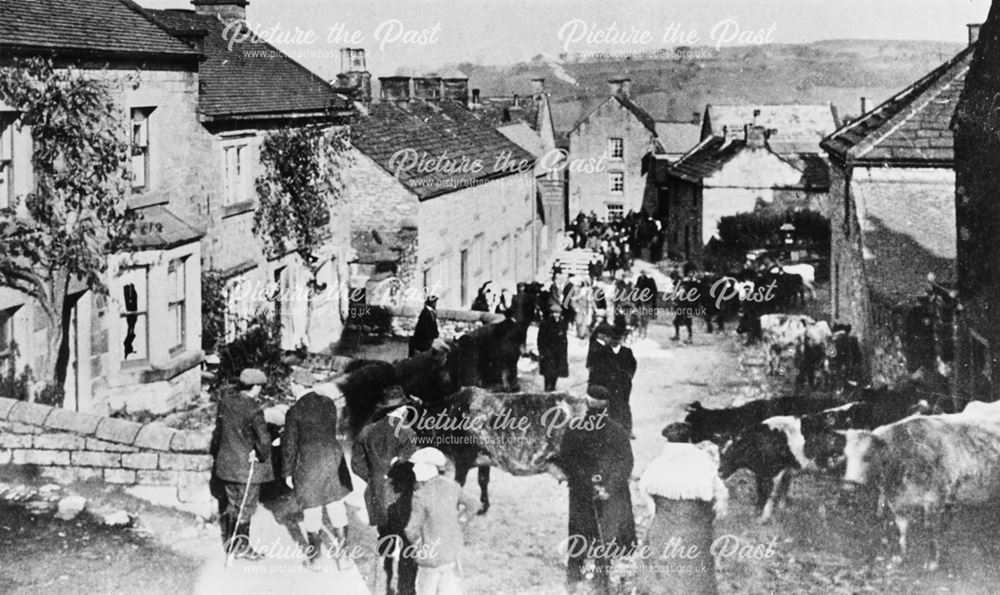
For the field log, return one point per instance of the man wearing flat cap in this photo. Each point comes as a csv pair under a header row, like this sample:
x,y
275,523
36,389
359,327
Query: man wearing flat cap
x,y
426,329
241,446
313,464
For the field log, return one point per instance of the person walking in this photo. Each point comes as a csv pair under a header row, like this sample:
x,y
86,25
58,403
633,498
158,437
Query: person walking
x,y
647,292
377,447
613,366
314,467
553,346
434,527
426,329
241,447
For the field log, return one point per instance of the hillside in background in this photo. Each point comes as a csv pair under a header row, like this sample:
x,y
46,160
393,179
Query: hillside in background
x,y
674,87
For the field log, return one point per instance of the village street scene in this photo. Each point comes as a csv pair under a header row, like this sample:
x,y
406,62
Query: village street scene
x,y
439,297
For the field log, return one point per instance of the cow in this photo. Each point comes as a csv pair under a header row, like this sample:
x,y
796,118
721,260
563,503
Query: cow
x,y
782,333
806,273
721,425
719,299
779,447
488,355
923,465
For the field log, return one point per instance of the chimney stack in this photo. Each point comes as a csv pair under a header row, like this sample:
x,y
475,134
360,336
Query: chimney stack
x,y
756,136
864,105
427,88
620,86
455,87
227,10
517,100
974,32
696,117
354,74
395,88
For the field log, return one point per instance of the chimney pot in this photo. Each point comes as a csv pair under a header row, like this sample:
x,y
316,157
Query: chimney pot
x,y
974,32
696,117
864,105
227,10
620,86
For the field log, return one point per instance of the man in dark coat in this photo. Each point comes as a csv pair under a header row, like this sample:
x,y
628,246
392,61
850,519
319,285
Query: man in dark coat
x,y
598,464
648,299
381,443
561,292
313,464
427,327
613,366
241,446
553,346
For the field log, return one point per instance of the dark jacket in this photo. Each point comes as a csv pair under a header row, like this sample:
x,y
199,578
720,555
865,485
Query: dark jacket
x,y
646,289
553,347
372,454
240,429
434,526
425,332
614,371
311,453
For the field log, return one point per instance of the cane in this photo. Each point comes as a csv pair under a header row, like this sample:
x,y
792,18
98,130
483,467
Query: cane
x,y
246,489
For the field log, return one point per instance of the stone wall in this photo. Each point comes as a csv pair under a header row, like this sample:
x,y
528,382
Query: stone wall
x,y
151,461
451,323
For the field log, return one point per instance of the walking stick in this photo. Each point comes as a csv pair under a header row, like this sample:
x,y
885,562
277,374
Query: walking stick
x,y
246,489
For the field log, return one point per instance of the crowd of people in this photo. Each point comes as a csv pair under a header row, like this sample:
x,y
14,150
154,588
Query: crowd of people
x,y
618,241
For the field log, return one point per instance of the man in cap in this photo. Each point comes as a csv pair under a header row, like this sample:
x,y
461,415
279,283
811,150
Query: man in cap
x,y
426,329
241,446
613,367
434,527
377,447
313,463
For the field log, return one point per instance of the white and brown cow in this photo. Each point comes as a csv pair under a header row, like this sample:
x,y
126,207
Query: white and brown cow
x,y
922,465
782,333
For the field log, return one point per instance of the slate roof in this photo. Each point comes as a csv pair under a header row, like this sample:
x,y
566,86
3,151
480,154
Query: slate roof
x,y
912,127
799,127
642,115
160,229
430,130
92,27
678,138
525,137
712,154
908,231
242,82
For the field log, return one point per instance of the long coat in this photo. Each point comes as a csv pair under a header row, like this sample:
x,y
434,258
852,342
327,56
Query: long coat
x,y
424,332
240,429
553,347
600,456
311,453
614,371
372,454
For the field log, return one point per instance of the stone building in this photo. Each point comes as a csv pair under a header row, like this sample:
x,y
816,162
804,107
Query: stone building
x,y
427,170
723,176
196,112
607,150
892,217
977,181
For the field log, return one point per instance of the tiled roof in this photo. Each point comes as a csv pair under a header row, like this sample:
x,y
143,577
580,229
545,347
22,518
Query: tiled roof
x,y
908,230
912,126
712,154
86,26
525,137
161,229
251,79
678,138
428,130
642,115
798,128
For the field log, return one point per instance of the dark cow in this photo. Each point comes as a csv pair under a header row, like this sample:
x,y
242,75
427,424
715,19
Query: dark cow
x,y
718,299
721,425
487,356
924,465
778,447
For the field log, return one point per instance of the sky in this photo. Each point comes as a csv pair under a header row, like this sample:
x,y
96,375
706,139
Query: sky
x,y
426,34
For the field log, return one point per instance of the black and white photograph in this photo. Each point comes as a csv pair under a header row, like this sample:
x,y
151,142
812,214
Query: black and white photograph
x,y
522,297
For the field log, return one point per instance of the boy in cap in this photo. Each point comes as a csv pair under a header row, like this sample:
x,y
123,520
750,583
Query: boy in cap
x,y
241,446
434,526
313,464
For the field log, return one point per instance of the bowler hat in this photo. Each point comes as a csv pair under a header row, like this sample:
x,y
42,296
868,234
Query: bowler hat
x,y
603,329
252,376
392,397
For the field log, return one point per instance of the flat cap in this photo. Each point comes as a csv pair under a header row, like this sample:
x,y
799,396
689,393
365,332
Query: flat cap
x,y
252,376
